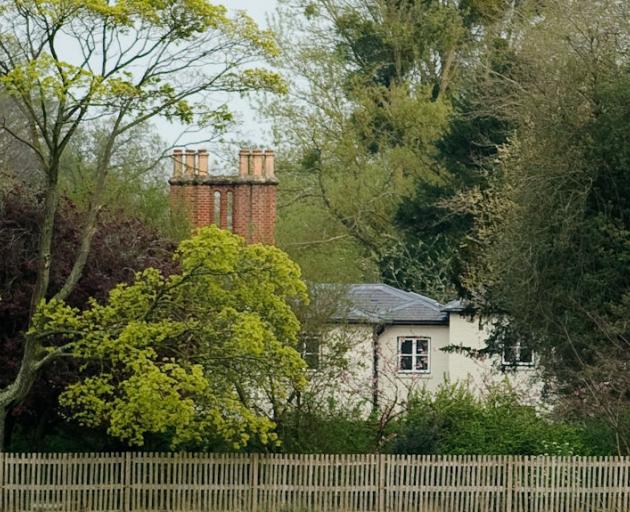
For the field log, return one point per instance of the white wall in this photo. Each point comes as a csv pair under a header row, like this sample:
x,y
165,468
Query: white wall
x,y
354,385
395,385
349,380
465,331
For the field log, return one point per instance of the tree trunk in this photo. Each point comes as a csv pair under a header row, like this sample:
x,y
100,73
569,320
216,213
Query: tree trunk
x,y
44,257
20,387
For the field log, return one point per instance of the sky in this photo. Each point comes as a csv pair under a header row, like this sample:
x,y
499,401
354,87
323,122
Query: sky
x,y
250,127
256,8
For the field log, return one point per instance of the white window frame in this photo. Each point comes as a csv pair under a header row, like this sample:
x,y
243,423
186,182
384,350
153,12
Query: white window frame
x,y
414,355
517,363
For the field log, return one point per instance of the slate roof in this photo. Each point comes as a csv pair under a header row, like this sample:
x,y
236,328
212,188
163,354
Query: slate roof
x,y
381,303
455,306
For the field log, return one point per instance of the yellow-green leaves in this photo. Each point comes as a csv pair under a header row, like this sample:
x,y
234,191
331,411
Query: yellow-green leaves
x,y
68,61
194,355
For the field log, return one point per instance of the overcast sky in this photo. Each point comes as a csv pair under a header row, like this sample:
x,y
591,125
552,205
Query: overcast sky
x,y
256,8
251,128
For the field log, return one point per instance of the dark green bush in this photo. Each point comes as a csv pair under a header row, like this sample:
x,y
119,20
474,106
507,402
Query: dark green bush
x,y
455,421
331,429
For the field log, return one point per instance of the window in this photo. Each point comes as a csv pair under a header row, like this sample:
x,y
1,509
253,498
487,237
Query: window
x,y
217,208
517,353
230,211
310,348
413,355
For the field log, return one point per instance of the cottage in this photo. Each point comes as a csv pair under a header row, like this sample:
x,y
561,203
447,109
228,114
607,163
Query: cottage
x,y
395,341
399,342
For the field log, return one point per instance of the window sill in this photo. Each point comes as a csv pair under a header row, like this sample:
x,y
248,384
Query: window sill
x,y
414,373
521,367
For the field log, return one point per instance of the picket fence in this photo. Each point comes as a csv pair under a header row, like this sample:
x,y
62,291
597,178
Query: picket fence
x,y
343,483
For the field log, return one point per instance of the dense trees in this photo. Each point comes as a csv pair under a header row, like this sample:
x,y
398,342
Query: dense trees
x,y
473,148
476,149
122,246
65,64
553,227
378,100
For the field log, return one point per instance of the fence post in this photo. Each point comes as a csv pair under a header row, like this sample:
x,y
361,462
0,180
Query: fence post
x,y
253,481
127,482
509,466
380,494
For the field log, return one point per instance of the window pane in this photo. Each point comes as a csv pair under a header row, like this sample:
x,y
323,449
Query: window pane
x,y
230,211
311,344
526,355
422,346
217,208
422,362
509,353
310,349
312,360
406,347
406,362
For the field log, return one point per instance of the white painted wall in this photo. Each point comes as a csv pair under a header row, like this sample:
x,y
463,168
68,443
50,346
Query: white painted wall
x,y
481,373
354,385
349,384
395,385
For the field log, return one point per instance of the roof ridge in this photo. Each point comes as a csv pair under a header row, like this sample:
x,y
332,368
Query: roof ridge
x,y
432,302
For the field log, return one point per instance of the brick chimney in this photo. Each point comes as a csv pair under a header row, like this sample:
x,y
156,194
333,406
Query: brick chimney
x,y
244,204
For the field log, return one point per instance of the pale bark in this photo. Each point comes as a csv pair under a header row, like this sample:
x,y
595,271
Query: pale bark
x,y
44,257
21,385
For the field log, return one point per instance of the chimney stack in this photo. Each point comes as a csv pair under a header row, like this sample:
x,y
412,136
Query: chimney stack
x,y
244,203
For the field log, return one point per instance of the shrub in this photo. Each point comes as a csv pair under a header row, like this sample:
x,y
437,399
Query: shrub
x,y
455,421
329,429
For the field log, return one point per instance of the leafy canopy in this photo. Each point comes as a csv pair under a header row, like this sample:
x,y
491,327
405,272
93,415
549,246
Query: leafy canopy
x,y
193,354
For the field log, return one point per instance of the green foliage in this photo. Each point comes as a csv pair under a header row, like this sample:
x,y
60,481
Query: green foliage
x,y
552,228
313,237
330,429
64,64
454,421
373,88
113,84
193,354
136,184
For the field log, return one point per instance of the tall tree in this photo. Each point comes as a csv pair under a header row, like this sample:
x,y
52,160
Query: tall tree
x,y
204,352
66,63
122,245
373,83
435,233
554,227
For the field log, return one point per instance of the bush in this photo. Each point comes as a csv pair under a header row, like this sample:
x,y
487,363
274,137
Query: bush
x,y
329,430
454,421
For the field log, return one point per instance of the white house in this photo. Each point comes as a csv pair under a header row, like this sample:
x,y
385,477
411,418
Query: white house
x,y
395,341
399,341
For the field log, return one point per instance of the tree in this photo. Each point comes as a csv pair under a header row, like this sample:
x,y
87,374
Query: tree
x,y
64,64
372,91
553,229
122,246
205,351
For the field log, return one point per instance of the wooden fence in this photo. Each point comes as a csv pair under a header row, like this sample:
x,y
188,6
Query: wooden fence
x,y
379,483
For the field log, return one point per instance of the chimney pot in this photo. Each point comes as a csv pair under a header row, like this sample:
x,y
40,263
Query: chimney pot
x,y
269,163
243,165
257,164
177,163
202,162
190,169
